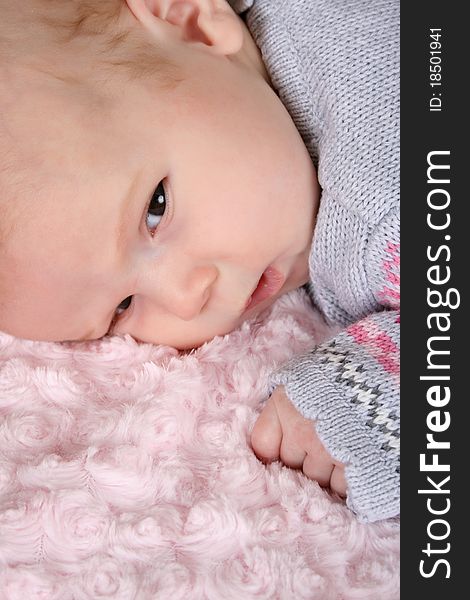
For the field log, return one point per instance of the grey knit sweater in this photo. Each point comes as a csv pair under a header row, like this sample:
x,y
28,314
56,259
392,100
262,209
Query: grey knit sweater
x,y
335,66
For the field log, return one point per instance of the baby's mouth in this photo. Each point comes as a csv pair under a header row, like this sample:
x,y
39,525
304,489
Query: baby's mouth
x,y
270,282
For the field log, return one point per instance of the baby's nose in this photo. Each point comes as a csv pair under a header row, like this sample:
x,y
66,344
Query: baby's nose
x,y
186,294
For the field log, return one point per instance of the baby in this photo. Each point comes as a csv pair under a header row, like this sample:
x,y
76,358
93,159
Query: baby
x,y
158,178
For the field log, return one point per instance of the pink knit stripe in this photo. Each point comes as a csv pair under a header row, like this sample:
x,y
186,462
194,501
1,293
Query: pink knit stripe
x,y
389,297
394,259
394,278
379,344
392,248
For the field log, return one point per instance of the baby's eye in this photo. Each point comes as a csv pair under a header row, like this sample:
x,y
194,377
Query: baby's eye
x,y
123,306
156,208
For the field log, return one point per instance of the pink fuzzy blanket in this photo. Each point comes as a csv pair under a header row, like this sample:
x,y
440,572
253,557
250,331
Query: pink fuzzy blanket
x,y
126,473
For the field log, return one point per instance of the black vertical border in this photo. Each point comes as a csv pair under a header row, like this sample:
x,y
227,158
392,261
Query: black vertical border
x,y
424,131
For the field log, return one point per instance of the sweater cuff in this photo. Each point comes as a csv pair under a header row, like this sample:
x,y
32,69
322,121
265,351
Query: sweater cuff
x,y
343,421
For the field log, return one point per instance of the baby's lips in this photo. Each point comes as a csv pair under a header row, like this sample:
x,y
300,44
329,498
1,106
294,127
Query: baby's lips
x,y
271,281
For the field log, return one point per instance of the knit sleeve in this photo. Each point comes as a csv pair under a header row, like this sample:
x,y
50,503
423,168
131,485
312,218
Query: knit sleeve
x,y
349,386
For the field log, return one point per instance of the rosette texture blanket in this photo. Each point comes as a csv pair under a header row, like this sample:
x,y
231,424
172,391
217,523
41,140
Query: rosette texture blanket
x,y
126,473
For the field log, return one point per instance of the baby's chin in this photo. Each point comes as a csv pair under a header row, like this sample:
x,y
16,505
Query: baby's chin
x,y
258,313
186,340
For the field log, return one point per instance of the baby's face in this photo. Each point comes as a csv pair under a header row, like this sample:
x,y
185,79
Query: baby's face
x,y
158,214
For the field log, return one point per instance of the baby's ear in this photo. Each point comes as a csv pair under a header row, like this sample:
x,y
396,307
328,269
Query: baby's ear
x,y
212,22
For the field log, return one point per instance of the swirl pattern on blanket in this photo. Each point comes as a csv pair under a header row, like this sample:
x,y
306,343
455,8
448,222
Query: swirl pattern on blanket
x,y
126,472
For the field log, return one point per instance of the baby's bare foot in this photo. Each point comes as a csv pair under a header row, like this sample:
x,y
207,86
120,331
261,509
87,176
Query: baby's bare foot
x,y
281,432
